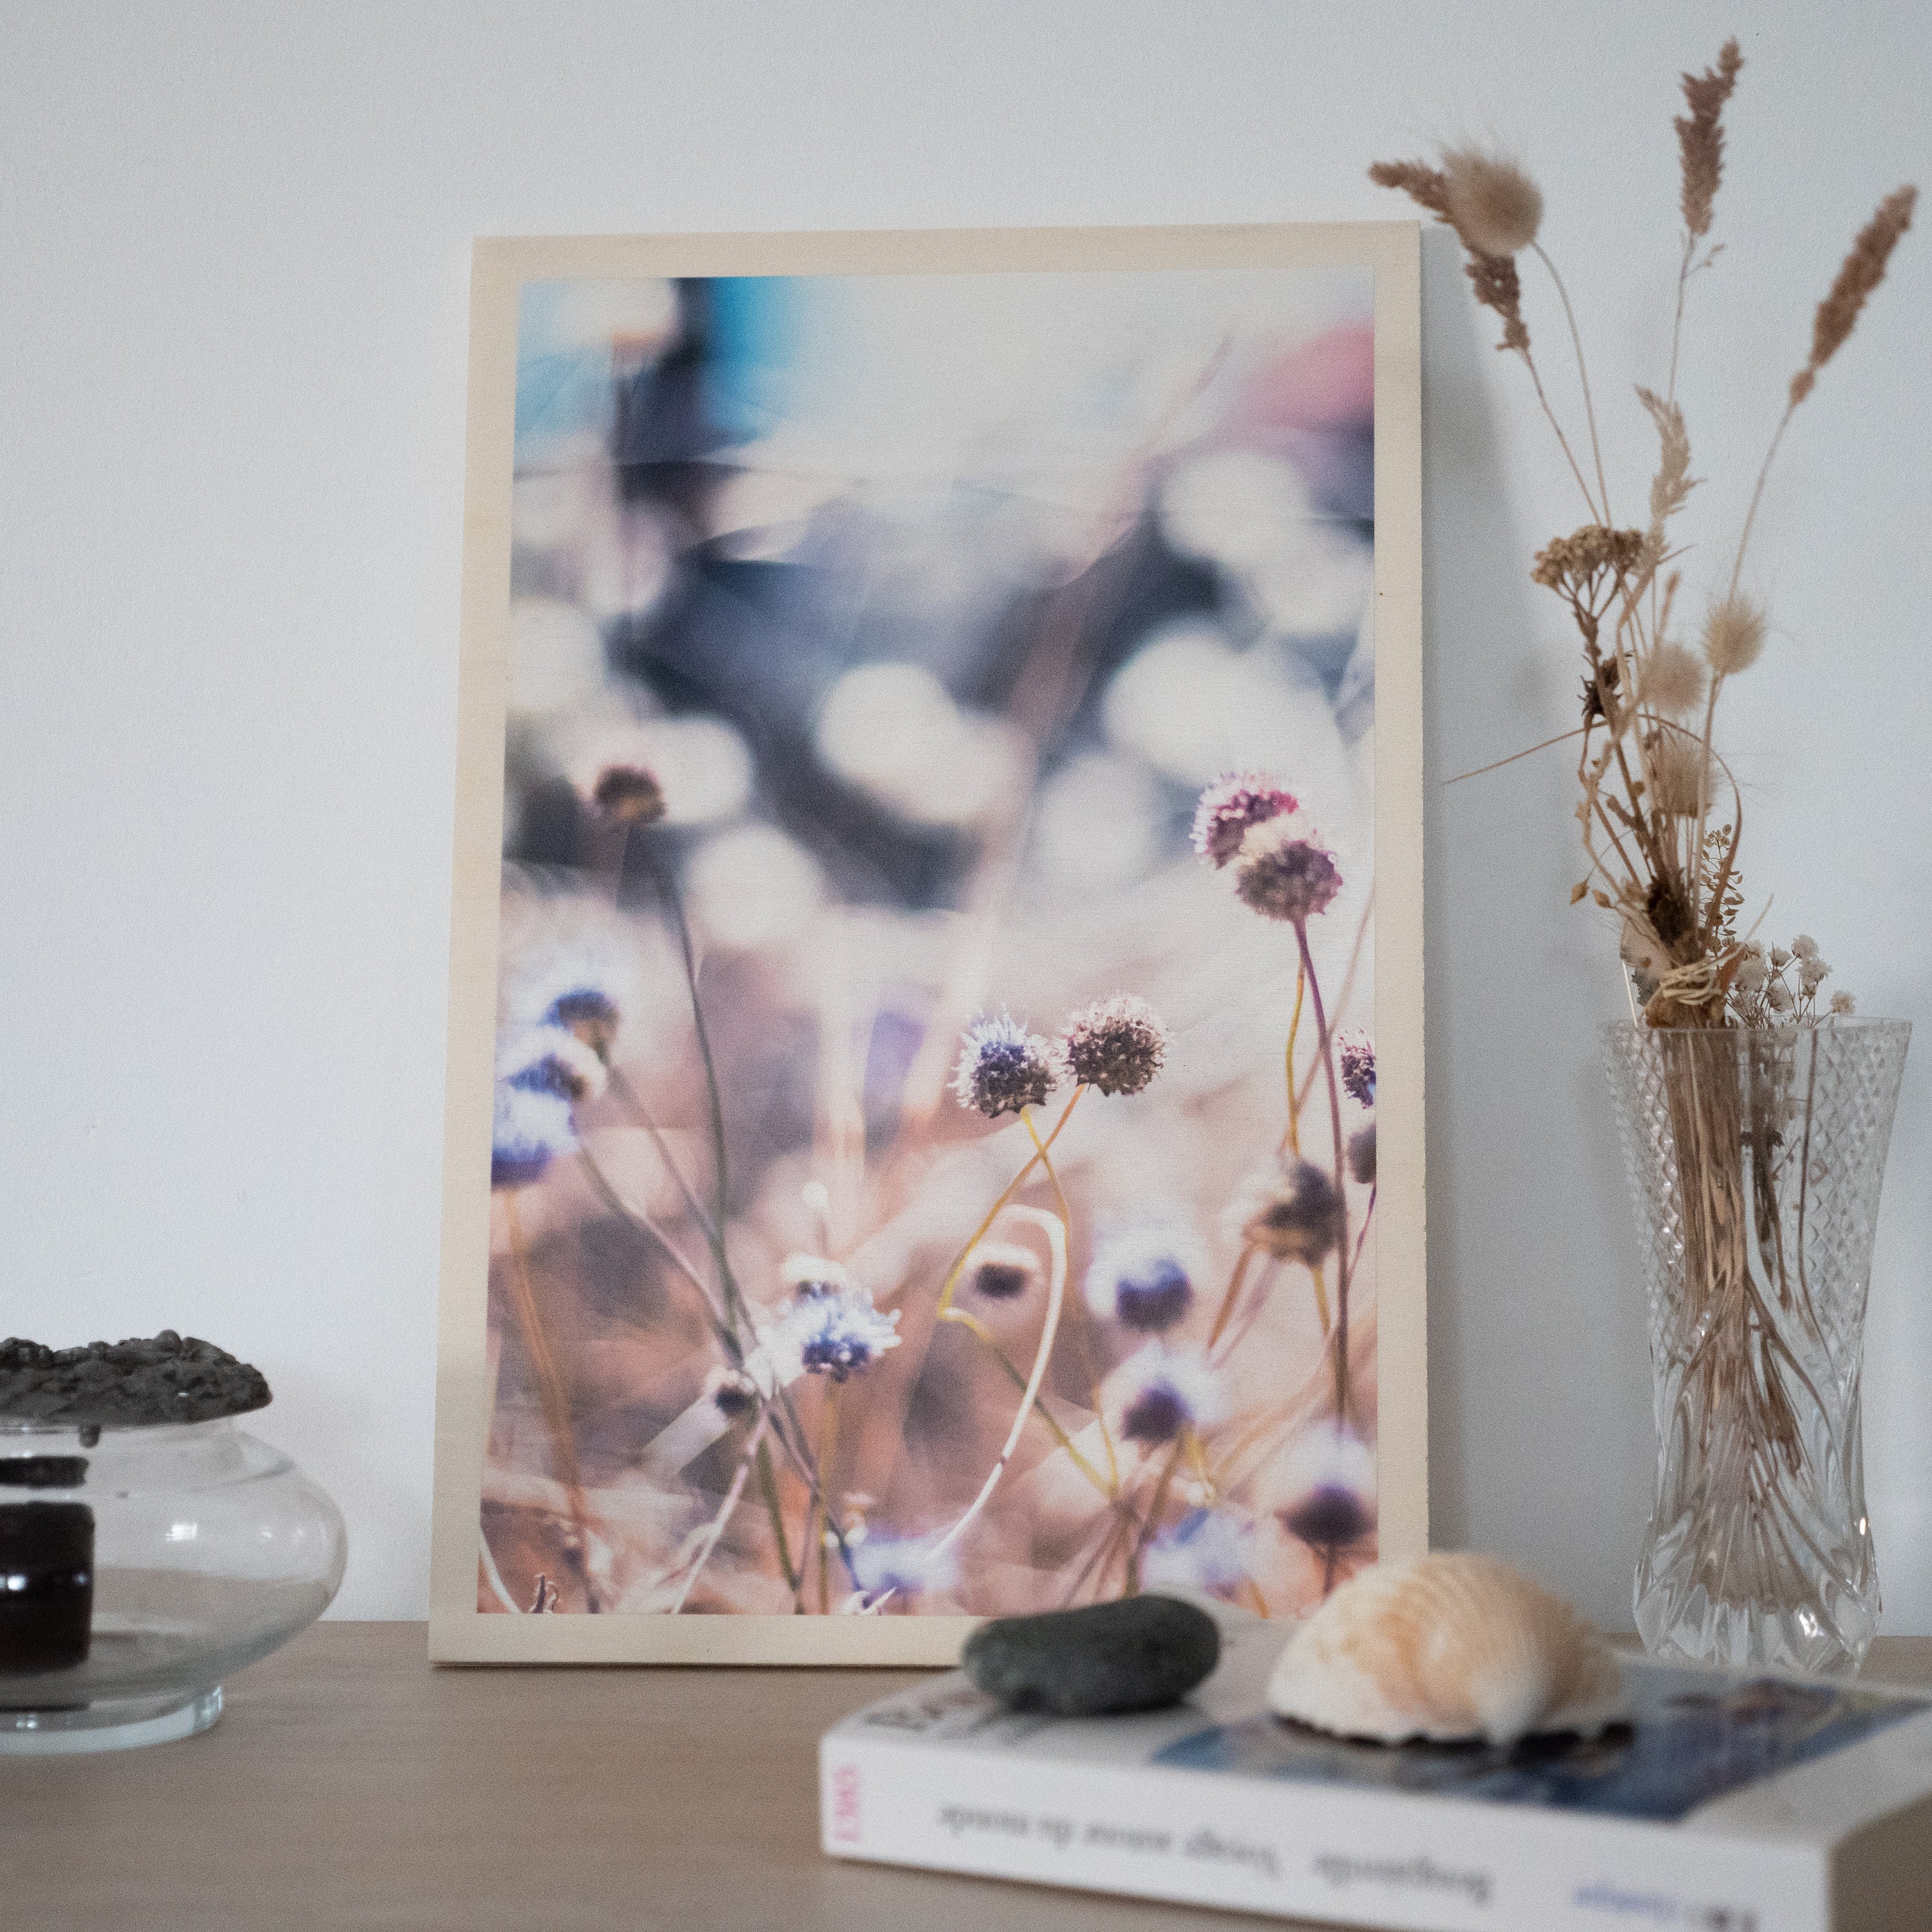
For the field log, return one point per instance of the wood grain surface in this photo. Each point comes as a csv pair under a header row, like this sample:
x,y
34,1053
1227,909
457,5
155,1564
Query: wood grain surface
x,y
352,1785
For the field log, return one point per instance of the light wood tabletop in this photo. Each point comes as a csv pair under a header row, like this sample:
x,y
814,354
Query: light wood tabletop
x,y
350,1784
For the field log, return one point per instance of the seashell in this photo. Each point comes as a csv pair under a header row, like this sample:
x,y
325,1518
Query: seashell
x,y
1449,1646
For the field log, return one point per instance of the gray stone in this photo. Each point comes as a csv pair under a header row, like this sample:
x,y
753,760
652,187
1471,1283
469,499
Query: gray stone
x,y
1132,1655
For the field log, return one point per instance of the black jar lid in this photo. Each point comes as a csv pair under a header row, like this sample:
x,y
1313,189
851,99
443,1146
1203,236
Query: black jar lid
x,y
132,1384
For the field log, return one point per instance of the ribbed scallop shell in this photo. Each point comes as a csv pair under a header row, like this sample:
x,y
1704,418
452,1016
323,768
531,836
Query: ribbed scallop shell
x,y
1446,1646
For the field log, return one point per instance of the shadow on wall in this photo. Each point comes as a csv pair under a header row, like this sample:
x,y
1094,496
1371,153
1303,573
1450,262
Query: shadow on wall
x,y
1537,1355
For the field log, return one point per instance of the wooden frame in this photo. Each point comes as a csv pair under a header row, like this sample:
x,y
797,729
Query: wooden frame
x,y
460,1630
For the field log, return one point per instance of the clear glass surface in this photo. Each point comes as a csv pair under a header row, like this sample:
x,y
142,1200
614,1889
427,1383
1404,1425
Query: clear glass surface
x,y
209,1549
1755,1160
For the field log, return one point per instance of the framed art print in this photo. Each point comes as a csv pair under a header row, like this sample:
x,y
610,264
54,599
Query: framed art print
x,y
935,1088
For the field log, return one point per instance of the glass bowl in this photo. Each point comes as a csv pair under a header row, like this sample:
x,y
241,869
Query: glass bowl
x,y
138,1567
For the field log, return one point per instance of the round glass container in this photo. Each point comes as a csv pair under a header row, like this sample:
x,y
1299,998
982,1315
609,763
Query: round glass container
x,y
138,1567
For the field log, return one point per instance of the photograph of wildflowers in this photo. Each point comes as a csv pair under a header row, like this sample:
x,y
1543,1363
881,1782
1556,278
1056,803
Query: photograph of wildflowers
x,y
933,1108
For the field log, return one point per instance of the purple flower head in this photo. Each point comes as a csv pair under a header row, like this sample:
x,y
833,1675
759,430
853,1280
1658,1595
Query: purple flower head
x,y
830,1330
1003,1270
530,1129
1329,1489
1230,807
1205,1550
540,1077
1116,1045
1284,871
1003,1068
627,795
1143,1276
903,1564
1291,1210
1357,1056
1164,1390
734,1391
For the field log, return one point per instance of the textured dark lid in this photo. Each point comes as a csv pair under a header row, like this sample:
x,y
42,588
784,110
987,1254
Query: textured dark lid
x,y
129,1385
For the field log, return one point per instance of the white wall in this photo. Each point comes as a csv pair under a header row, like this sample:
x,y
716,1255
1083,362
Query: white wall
x,y
233,260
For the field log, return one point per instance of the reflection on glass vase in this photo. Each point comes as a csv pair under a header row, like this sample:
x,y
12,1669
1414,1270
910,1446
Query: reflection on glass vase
x,y
1756,1158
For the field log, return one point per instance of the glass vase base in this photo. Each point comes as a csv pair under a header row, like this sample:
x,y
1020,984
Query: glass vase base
x,y
1691,1629
120,1724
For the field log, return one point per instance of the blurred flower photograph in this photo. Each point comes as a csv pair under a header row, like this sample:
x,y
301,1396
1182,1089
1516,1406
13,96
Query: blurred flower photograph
x,y
933,1148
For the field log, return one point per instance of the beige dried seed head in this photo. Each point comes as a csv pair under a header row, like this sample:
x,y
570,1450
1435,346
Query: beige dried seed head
x,y
1492,203
1672,680
1734,635
1680,774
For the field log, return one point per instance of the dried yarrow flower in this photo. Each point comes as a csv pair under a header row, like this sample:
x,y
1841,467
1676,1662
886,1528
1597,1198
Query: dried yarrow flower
x,y
1284,871
1734,635
1843,1005
1586,562
628,795
1862,271
1229,807
1490,202
1700,136
1003,1068
1116,1045
1356,1056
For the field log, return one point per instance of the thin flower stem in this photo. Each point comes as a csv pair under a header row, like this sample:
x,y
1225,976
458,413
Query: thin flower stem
x,y
1529,363
1583,375
1561,737
1677,327
828,1444
1362,1239
768,1485
1341,1172
1290,1139
1151,1521
950,1285
978,1329
1056,1236
1228,1301
555,1403
1348,986
1066,1222
724,1516
667,886
636,1217
1757,495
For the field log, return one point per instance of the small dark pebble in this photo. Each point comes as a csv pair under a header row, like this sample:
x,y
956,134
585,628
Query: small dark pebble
x,y
129,1385
1135,1654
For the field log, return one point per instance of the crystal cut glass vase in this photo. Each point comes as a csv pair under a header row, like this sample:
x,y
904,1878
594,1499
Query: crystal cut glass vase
x,y
1755,1159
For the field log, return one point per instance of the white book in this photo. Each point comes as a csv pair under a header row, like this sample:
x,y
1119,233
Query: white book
x,y
1724,1804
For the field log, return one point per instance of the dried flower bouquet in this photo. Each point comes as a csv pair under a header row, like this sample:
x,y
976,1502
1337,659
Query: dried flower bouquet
x,y
1732,1089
